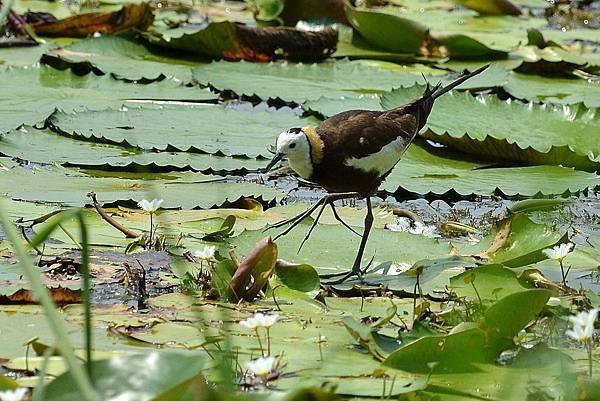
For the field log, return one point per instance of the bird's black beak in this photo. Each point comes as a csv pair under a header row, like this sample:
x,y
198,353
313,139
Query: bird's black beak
x,y
276,158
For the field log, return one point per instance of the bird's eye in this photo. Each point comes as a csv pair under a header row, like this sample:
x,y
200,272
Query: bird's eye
x,y
292,145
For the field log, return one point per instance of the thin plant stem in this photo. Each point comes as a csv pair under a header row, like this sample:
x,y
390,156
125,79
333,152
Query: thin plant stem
x,y
262,350
86,286
54,321
477,293
320,348
589,346
151,229
71,236
268,341
562,272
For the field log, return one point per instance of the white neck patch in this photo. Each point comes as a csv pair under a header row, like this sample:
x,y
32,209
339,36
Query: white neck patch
x,y
295,145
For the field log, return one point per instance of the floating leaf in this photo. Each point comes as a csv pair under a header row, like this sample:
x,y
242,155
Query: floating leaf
x,y
534,134
29,95
32,145
122,57
426,170
554,90
167,370
389,32
199,128
301,82
491,7
69,187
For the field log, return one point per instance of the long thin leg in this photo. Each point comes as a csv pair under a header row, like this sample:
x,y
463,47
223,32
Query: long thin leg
x,y
356,270
312,226
294,221
338,218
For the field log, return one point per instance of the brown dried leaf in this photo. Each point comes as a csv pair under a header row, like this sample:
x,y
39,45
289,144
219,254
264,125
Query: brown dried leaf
x,y
82,25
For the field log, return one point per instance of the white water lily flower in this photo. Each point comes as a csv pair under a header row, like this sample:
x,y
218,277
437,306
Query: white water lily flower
x,y
17,394
559,251
261,367
150,206
207,253
260,320
583,325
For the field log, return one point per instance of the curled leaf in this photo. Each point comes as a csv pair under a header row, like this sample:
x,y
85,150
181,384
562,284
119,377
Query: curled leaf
x,y
254,270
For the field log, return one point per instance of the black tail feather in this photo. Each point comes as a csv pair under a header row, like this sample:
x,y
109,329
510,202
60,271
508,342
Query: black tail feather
x,y
426,101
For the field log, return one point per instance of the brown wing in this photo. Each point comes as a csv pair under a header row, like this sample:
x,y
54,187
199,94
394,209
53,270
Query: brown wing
x,y
361,133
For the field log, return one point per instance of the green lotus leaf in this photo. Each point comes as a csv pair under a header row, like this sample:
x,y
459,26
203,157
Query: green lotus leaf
x,y
210,129
122,57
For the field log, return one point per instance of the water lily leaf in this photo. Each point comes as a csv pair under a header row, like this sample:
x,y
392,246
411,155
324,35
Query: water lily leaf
x,y
199,128
130,16
491,7
504,319
442,353
389,32
426,170
32,144
301,82
554,90
69,187
538,371
41,90
300,277
122,57
124,377
519,242
24,56
534,134
490,283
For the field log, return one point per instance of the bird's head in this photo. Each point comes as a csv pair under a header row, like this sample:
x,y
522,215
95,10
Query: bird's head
x,y
294,144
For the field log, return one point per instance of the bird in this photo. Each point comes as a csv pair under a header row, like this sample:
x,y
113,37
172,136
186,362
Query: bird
x,y
351,153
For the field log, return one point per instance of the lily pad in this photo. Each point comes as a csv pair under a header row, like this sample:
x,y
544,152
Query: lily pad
x,y
47,147
554,90
122,57
199,128
427,170
534,134
69,187
300,82
167,371
29,95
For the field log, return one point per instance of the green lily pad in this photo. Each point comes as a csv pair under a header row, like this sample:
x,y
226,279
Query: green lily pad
x,y
389,32
122,57
200,128
29,95
23,56
32,145
489,283
300,82
554,90
534,134
425,170
69,187
126,377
